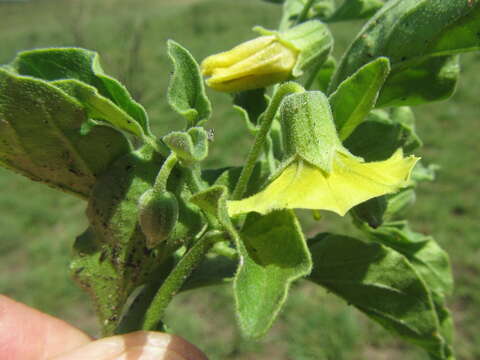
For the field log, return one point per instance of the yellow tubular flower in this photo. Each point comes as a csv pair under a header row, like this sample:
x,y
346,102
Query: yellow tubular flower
x,y
301,185
268,59
319,172
254,64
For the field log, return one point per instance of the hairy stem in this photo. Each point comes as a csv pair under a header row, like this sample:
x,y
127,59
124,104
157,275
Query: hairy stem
x,y
164,173
303,15
266,122
174,281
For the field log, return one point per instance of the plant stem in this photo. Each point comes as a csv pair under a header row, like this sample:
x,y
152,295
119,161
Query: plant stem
x,y
164,173
176,278
266,122
303,15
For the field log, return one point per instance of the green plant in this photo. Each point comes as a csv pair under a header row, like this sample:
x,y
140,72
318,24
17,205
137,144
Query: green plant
x,y
69,125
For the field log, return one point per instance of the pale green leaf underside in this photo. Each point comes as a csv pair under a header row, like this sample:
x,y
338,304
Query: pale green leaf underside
x,y
41,136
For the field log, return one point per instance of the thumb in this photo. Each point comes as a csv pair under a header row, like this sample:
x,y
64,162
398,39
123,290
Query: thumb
x,y
140,345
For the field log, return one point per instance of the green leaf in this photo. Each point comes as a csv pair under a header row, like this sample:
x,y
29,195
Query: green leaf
x,y
214,201
186,93
411,33
99,107
429,260
321,9
423,252
273,253
381,283
251,104
381,134
432,80
355,10
324,74
93,270
356,96
41,136
83,65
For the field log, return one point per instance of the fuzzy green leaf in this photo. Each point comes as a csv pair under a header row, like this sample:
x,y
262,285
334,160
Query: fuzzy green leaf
x,y
99,107
431,262
251,104
42,136
93,269
273,253
382,133
83,65
422,251
355,10
432,80
186,93
381,283
357,95
411,33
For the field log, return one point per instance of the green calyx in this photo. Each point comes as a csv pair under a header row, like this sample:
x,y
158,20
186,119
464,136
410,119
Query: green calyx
x,y
312,40
309,130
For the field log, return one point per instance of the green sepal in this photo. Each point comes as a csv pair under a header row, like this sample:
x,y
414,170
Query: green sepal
x,y
190,146
381,283
158,215
309,130
406,32
273,253
382,133
42,136
186,92
312,40
356,10
356,96
79,64
99,107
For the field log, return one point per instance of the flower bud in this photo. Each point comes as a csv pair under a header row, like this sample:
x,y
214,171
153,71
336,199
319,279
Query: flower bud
x,y
158,214
268,59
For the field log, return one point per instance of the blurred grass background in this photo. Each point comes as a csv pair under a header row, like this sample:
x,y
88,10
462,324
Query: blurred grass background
x,y
38,224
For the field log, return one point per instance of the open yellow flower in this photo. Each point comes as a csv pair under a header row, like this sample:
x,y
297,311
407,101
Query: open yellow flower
x,y
301,185
319,173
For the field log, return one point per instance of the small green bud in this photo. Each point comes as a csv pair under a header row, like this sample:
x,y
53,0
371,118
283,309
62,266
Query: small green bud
x,y
189,147
158,214
268,59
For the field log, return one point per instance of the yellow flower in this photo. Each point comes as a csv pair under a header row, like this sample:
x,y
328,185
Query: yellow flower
x,y
254,64
350,182
269,59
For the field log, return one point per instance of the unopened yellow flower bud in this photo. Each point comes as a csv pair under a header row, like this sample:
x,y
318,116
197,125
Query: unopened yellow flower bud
x,y
254,64
268,59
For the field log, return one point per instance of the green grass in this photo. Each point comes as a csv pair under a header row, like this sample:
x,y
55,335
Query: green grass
x,y
39,225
